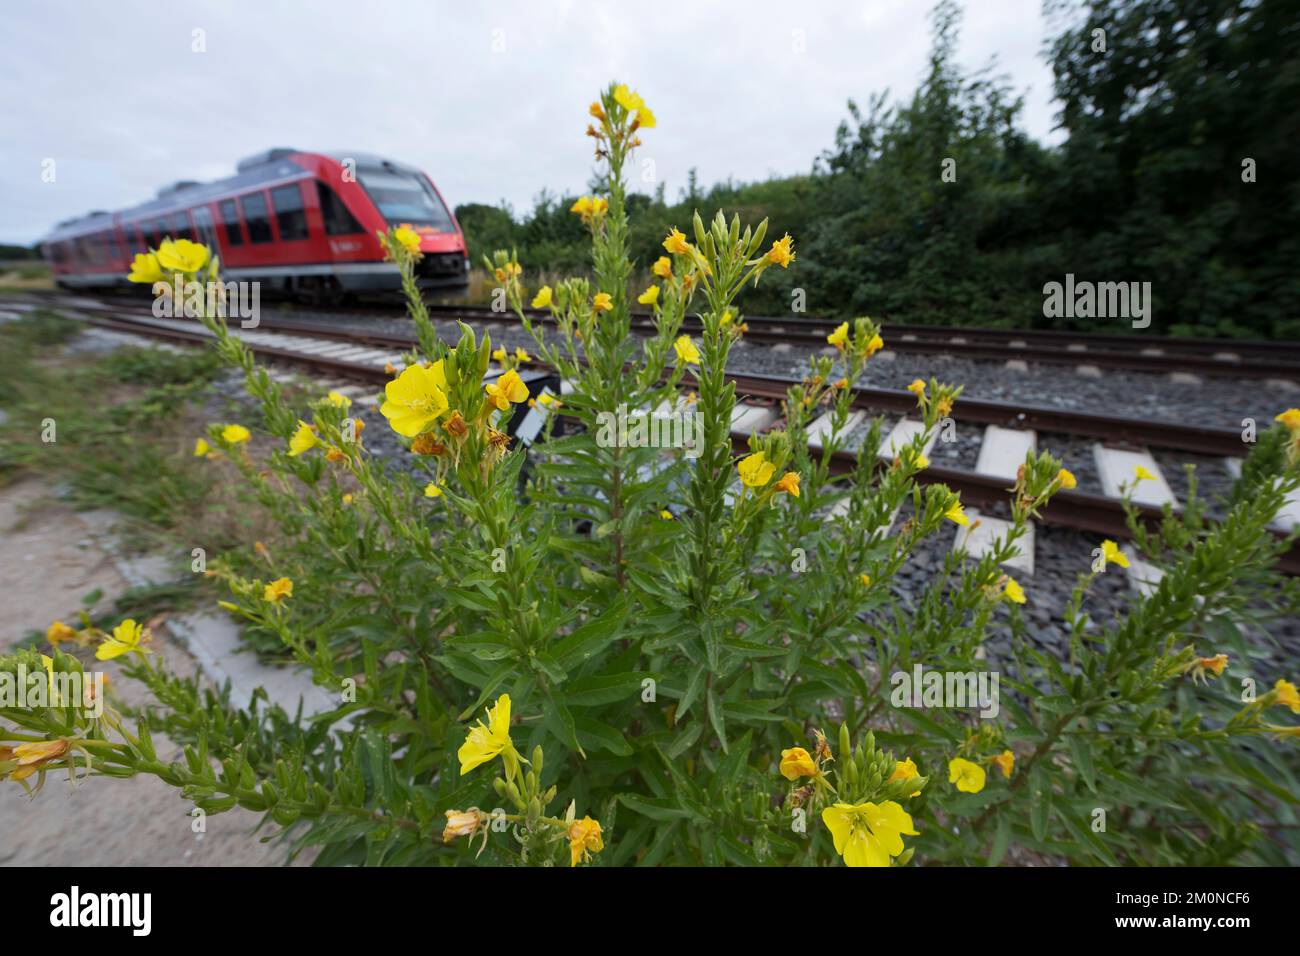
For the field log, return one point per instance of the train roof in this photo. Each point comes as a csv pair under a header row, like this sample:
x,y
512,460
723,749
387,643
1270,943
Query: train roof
x,y
267,166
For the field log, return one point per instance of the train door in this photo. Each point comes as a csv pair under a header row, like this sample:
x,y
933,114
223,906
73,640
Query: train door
x,y
206,230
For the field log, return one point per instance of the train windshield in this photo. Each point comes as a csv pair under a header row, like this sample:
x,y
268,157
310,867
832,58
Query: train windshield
x,y
405,198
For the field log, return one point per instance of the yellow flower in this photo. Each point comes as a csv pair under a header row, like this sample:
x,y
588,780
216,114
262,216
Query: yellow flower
x,y
630,100
432,491
1005,761
905,769
1112,554
460,823
506,389
483,742
601,302
663,267
921,462
840,336
782,252
347,499
666,515
645,118
865,579
304,439
789,483
1290,418
1013,591
582,206
686,350
875,345
543,297
676,243
1066,479
1287,696
957,514
521,355
58,632
650,296
499,356
235,434
339,400
278,590
415,399
545,399
797,762
755,470
917,387
868,834
127,636
1143,474
201,448
182,255
145,268
584,839
968,776
408,237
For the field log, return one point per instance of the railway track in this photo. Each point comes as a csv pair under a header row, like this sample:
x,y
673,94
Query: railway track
x,y
1009,430
1241,359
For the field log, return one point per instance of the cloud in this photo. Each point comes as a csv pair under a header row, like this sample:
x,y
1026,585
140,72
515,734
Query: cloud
x,y
489,98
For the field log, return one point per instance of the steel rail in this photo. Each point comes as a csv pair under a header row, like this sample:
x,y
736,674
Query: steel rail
x,y
1076,510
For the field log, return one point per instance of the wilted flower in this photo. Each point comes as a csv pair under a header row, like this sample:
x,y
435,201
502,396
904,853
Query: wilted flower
x,y
1005,761
508,388
797,762
584,839
789,483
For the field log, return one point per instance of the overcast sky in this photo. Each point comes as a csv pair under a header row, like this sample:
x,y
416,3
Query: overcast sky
x,y
489,98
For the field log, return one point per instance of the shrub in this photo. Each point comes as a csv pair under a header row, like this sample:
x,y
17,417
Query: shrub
x,y
592,650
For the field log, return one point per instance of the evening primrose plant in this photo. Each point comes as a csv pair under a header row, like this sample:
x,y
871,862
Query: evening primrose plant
x,y
590,651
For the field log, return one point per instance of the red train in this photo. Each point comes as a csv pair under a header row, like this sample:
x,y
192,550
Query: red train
x,y
300,223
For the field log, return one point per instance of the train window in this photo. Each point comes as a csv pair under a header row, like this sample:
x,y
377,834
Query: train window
x,y
405,198
289,212
255,218
159,231
180,226
339,220
230,219
110,246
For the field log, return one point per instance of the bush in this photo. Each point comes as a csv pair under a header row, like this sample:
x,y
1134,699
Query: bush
x,y
595,650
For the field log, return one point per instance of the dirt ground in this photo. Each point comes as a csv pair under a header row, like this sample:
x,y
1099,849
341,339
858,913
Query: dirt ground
x,y
50,559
